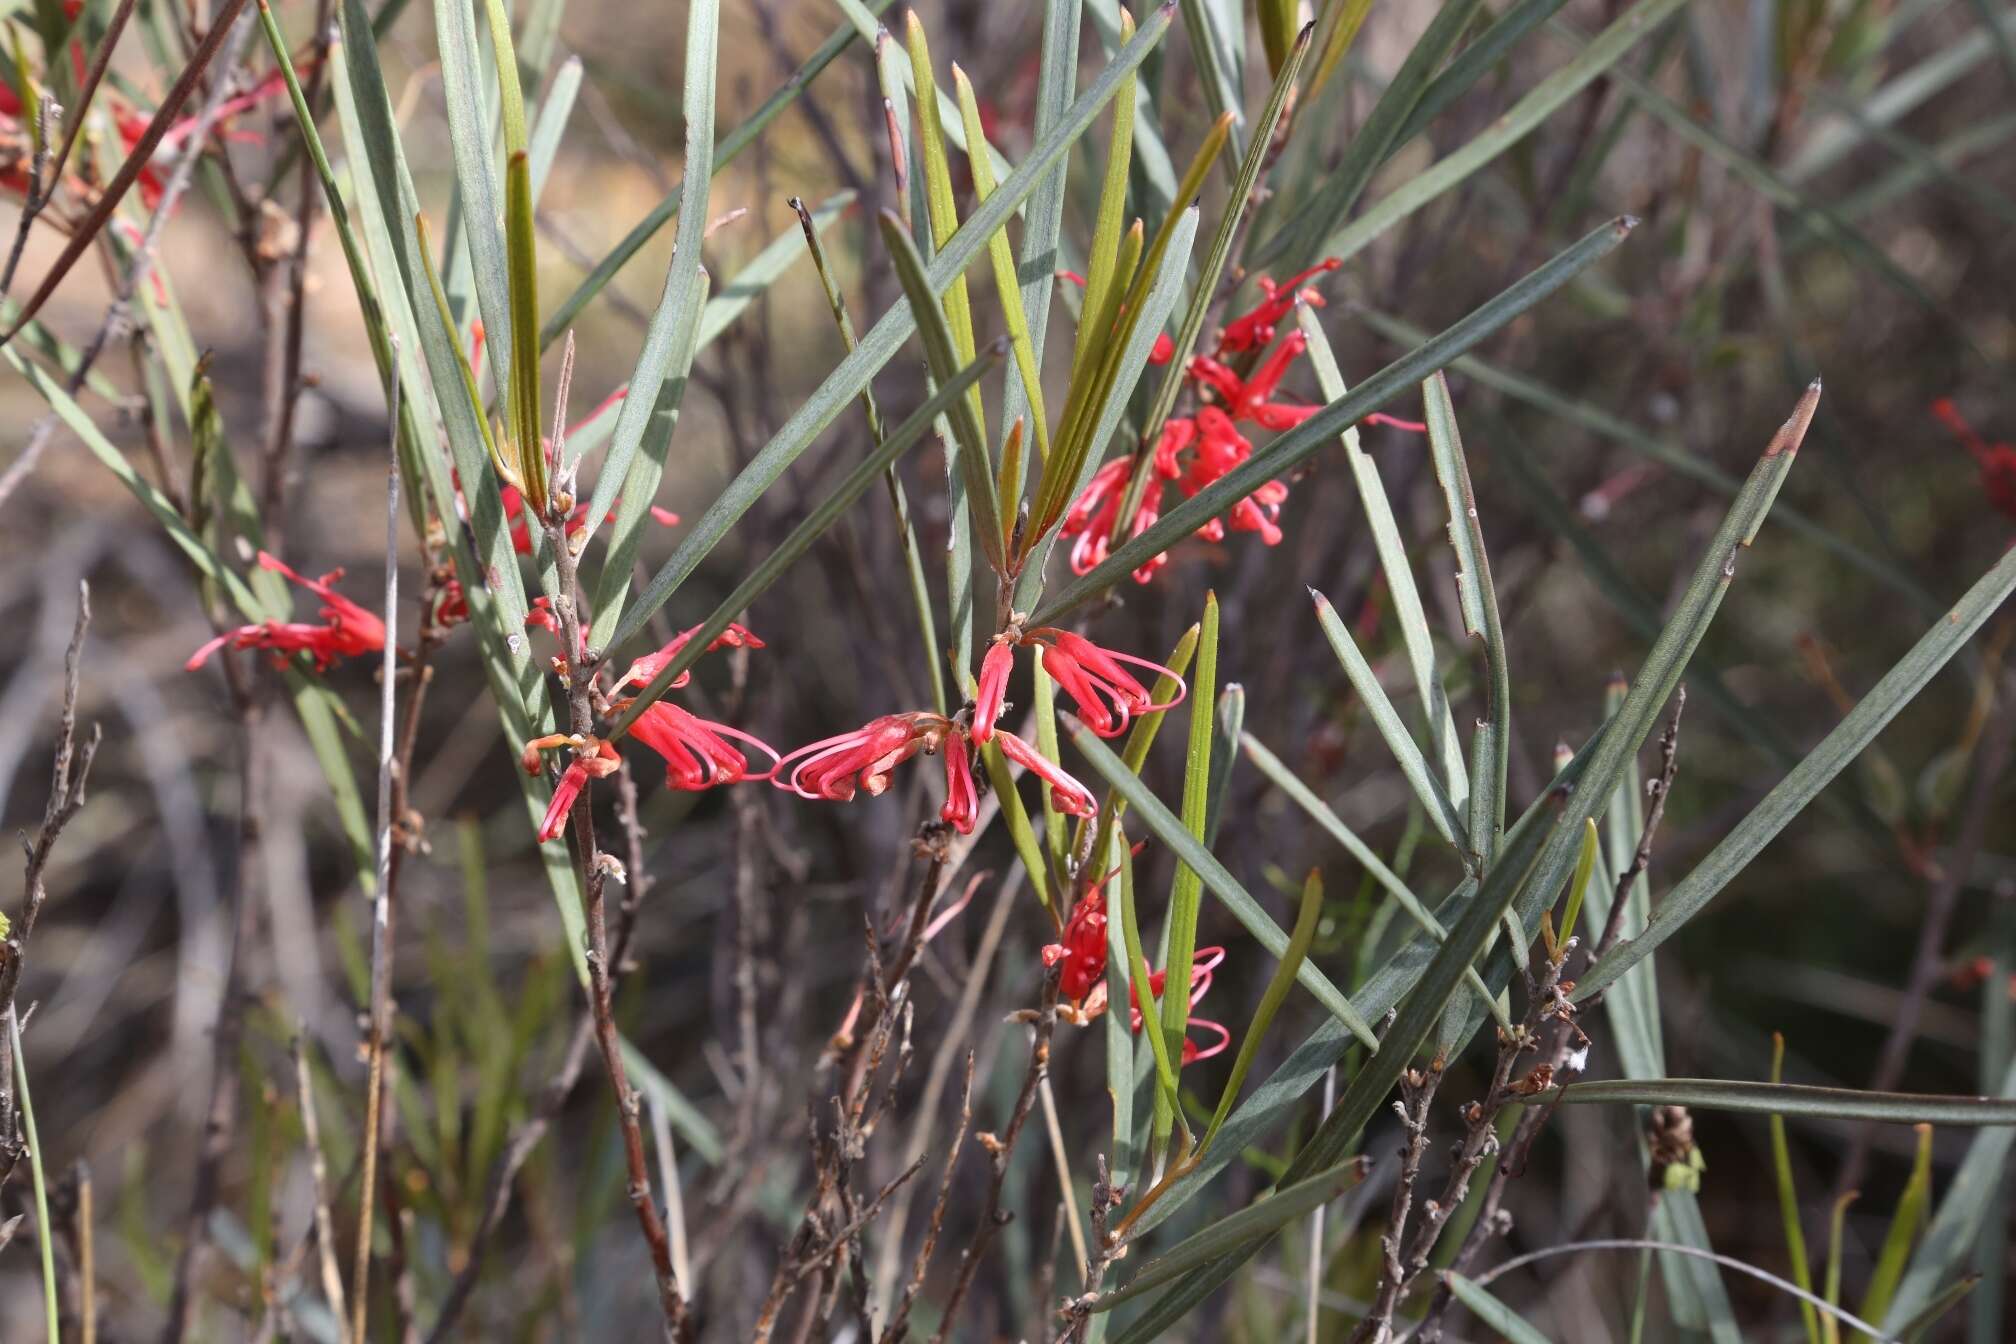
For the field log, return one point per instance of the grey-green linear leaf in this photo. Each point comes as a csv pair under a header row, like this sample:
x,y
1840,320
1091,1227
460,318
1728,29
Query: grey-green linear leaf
x,y
1797,789
882,341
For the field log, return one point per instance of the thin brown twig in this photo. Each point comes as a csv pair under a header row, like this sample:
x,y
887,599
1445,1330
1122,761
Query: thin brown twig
x,y
1000,1150
69,778
318,1176
1657,790
384,909
1417,1092
899,1322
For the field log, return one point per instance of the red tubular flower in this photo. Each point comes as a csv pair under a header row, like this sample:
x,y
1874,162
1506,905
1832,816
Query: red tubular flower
x,y
1068,794
1997,460
347,631
832,768
696,755
1095,518
962,800
1107,694
1222,447
451,605
1082,949
593,759
1256,328
1207,961
993,689
646,669
1177,434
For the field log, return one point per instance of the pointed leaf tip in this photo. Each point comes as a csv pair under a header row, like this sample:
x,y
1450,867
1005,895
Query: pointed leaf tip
x,y
1625,223
1793,432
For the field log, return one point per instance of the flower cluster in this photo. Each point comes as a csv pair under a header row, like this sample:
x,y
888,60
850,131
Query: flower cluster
x,y
833,769
698,753
1082,949
1996,460
1193,452
347,629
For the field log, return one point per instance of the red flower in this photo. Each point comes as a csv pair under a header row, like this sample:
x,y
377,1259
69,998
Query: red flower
x,y
993,687
347,631
646,669
1107,694
1997,460
451,605
1082,948
1095,518
1256,329
1207,961
1068,794
832,768
593,759
962,800
696,756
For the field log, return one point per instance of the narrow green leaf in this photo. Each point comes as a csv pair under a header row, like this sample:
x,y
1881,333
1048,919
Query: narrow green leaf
x,y
1187,888
773,566
1027,847
685,280
1247,1229
1437,717
1166,1095
1537,856
1001,252
1285,453
882,341
725,152
943,342
1072,465
1102,257
1170,831
1476,59
1788,1201
1307,916
637,457
1277,31
1962,1210
1478,599
1337,26
1512,126
1331,205
1578,886
551,124
899,503
1043,218
1427,787
1217,73
523,280
1792,1099
1286,780
1693,466
483,221
1905,1222
1791,795
944,215
1205,291
1495,1314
